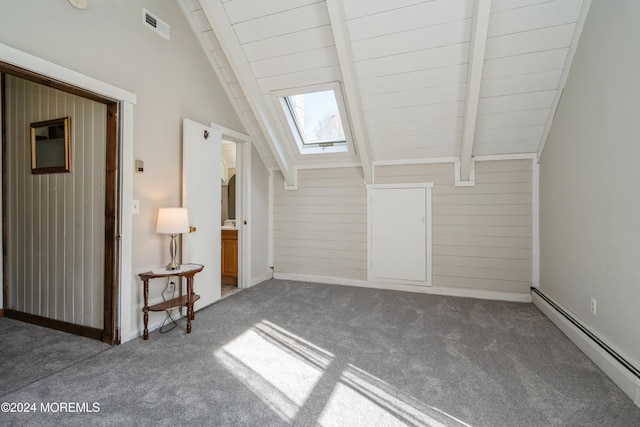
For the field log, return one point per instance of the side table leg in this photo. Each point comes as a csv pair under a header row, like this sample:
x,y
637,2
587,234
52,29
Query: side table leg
x,y
145,310
189,310
189,303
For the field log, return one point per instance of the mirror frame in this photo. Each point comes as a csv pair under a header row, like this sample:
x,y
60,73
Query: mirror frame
x,y
58,168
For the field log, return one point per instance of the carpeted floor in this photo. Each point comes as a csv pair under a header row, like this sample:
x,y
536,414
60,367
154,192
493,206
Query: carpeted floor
x,y
292,353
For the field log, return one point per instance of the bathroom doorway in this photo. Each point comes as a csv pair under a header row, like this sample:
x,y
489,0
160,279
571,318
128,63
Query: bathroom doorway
x,y
229,220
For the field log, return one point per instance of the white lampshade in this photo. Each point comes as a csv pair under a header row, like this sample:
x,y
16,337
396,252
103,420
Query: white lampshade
x,y
172,221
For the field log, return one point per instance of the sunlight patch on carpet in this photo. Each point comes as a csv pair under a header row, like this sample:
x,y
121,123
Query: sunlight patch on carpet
x,y
362,399
281,368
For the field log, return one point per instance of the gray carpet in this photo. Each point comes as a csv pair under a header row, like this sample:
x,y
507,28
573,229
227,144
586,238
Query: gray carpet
x,y
291,353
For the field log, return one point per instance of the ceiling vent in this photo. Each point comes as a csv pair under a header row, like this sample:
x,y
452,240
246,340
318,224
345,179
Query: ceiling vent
x,y
156,24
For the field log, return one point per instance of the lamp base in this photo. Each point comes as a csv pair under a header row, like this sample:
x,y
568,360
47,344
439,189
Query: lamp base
x,y
173,266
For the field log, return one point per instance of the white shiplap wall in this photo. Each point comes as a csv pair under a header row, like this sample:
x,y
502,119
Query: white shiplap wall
x,y
321,228
482,235
55,222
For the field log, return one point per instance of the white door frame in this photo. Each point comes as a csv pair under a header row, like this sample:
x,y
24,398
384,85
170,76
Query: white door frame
x,y
243,200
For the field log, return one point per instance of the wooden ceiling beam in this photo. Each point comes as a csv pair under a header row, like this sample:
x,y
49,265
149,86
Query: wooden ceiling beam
x,y
223,29
184,4
479,30
350,82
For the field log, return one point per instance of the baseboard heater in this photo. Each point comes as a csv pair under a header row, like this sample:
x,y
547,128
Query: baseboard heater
x,y
589,334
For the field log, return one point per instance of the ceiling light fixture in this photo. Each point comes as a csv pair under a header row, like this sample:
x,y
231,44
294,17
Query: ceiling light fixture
x,y
79,4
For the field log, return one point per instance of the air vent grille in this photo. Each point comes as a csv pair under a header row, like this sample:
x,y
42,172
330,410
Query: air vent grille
x,y
151,20
156,24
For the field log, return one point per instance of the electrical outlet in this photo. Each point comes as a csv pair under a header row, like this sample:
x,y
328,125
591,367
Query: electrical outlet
x,y
593,306
171,286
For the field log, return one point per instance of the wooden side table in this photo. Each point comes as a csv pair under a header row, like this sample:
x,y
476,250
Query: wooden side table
x,y
187,271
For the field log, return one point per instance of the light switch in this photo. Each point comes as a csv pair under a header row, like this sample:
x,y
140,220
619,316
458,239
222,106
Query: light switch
x,y
139,166
135,206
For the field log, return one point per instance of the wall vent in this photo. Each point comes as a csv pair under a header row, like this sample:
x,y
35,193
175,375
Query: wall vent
x,y
156,24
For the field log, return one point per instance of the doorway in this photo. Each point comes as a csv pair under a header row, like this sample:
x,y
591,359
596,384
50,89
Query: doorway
x,y
236,152
229,220
202,168
39,284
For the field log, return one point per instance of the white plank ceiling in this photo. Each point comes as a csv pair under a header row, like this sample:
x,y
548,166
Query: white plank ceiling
x,y
408,69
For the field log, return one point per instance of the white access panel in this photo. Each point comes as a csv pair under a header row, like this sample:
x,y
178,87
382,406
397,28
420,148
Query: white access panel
x,y
399,228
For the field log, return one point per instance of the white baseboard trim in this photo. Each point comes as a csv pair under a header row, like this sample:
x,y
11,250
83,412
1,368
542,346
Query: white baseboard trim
x,y
619,374
435,290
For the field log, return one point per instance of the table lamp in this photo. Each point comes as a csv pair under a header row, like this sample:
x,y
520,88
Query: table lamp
x,y
172,221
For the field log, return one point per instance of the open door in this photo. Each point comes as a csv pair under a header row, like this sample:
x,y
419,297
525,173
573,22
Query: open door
x,y
201,159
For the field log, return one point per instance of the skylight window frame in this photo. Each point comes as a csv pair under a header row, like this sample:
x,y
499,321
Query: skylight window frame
x,y
301,132
292,127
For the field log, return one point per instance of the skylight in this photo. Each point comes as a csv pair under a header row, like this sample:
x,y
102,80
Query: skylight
x,y
316,117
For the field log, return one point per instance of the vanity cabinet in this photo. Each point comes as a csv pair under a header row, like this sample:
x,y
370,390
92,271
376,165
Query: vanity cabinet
x,y
229,262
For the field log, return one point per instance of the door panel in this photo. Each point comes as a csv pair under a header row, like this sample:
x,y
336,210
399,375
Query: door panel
x,y
55,223
201,159
398,233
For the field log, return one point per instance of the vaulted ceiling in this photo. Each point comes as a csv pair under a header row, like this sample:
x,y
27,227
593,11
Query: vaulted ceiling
x,y
421,79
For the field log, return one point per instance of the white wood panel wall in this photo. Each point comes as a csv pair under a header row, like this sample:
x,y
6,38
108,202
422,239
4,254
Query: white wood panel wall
x,y
55,222
482,235
411,68
321,228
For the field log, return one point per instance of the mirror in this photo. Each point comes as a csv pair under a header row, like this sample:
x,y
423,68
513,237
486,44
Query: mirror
x,y
50,142
231,197
229,161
